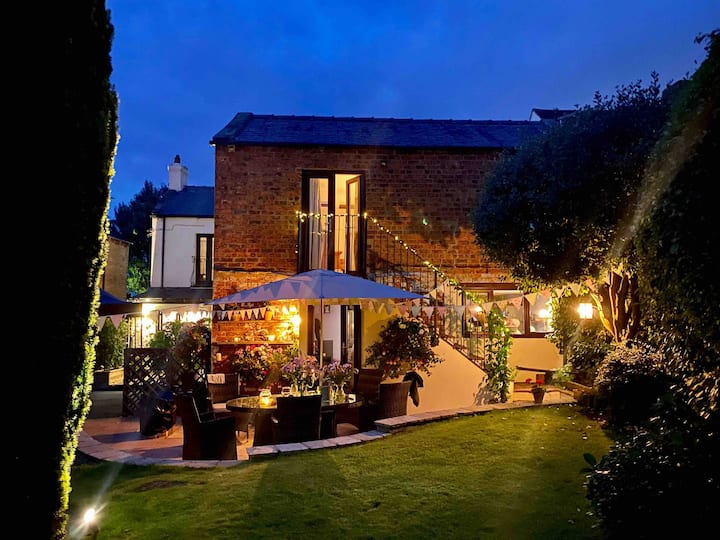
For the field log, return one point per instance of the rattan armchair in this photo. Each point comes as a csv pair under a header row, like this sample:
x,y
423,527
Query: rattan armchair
x,y
207,435
297,419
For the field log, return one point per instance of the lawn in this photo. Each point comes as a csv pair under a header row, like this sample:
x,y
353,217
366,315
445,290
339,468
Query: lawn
x,y
511,474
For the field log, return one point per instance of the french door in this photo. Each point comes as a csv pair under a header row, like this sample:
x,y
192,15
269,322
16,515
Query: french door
x,y
332,235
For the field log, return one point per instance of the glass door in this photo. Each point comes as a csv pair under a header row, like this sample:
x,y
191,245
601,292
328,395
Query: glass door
x,y
331,235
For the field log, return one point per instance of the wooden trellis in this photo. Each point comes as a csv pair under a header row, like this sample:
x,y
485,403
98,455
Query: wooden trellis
x,y
148,371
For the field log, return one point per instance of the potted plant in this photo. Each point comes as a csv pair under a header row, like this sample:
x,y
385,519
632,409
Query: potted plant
x,y
404,344
252,364
302,372
538,392
338,375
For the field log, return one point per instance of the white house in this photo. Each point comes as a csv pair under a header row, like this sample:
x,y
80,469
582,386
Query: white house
x,y
181,253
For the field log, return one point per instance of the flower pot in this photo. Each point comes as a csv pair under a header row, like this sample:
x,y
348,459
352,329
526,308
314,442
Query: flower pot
x,y
538,394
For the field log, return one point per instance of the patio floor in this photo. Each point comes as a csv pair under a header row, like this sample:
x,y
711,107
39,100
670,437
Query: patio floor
x,y
109,436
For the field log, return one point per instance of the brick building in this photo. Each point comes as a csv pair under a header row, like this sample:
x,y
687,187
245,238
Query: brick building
x,y
386,199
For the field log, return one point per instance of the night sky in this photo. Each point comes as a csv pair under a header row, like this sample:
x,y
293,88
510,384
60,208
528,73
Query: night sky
x,y
183,69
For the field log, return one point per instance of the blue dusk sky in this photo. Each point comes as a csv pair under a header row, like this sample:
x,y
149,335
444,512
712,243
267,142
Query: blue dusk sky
x,y
183,69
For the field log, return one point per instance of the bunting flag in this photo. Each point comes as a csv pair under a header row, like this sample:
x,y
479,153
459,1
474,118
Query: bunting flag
x,y
403,309
428,311
441,311
100,322
116,319
460,310
517,302
531,298
415,310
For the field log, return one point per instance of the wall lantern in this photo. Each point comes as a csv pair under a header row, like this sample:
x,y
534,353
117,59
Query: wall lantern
x,y
585,310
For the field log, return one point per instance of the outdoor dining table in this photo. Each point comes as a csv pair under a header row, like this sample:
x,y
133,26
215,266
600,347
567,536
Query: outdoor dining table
x,y
264,408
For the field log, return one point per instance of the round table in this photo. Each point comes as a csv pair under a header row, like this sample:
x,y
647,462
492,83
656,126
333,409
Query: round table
x,y
263,413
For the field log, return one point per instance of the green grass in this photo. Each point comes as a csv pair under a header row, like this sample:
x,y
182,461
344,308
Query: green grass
x,y
511,474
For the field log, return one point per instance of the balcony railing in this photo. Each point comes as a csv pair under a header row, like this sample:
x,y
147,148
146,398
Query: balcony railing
x,y
361,245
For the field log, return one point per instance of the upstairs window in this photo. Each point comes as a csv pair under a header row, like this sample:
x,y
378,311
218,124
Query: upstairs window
x,y
203,260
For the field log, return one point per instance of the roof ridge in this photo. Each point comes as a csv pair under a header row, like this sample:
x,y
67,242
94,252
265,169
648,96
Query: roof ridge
x,y
380,119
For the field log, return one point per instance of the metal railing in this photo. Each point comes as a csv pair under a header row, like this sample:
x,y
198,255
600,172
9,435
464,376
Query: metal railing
x,y
387,259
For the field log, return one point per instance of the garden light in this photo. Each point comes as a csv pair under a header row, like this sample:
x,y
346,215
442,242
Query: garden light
x,y
585,310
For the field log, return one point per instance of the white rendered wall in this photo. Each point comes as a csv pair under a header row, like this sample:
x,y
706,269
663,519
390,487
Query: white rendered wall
x,y
180,237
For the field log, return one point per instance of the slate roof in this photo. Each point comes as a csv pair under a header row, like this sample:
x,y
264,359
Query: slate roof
x,y
192,201
262,129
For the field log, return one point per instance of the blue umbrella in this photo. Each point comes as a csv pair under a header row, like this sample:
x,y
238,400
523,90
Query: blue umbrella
x,y
322,285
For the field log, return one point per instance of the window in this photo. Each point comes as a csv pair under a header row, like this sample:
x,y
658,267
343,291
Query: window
x,y
203,260
331,236
526,315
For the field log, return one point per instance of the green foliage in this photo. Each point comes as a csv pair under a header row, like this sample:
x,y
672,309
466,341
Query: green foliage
x,y
81,106
404,344
660,482
111,345
166,336
552,211
631,381
133,220
497,348
192,346
138,276
678,240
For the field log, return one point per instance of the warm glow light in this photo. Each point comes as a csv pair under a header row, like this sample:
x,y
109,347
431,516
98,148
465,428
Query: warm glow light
x,y
265,397
544,314
296,320
89,516
585,310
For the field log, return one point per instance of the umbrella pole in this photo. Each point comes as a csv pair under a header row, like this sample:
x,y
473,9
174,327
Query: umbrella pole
x,y
322,330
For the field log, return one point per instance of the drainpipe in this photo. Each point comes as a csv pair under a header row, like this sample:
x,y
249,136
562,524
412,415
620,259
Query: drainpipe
x,y
162,255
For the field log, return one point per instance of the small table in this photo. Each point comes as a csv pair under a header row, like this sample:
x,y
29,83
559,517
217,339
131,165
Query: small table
x,y
263,413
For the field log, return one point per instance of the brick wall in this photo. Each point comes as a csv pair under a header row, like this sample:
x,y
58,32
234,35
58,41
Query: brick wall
x,y
424,196
114,279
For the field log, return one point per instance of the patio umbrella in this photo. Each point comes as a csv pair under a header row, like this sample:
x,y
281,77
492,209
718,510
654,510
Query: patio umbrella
x,y
322,285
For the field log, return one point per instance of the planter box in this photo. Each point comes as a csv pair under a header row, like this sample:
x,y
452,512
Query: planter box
x,y
105,379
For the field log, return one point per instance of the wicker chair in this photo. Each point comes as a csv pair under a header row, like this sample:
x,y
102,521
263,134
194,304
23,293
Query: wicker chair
x,y
393,399
205,435
367,389
220,392
297,419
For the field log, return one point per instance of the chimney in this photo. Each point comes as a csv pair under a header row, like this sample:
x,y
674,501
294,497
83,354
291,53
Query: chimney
x,y
177,175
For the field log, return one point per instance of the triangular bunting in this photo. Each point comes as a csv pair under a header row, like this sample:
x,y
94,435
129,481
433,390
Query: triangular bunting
x,y
415,310
531,298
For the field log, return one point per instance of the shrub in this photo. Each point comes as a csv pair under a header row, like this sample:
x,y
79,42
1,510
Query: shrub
x,y
661,482
110,348
192,347
166,336
497,347
630,381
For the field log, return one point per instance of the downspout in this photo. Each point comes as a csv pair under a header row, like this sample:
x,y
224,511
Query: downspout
x,y
162,255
